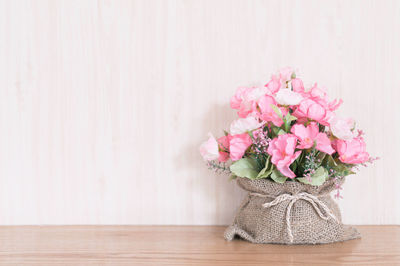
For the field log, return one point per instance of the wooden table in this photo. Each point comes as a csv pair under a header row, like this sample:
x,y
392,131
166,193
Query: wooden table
x,y
182,245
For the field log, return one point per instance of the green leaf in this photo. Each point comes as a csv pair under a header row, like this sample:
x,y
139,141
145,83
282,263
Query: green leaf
x,y
277,110
246,167
267,170
317,179
288,119
232,177
320,157
278,177
294,166
275,130
329,161
348,172
340,168
266,174
250,134
343,170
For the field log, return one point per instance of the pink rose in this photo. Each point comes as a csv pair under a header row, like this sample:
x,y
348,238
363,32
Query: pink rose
x,y
317,93
247,108
282,151
245,100
267,113
297,85
320,96
209,149
237,99
224,148
279,81
311,109
238,145
324,143
274,84
334,105
310,134
352,151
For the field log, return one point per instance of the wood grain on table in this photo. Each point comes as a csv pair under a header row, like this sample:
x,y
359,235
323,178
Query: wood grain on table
x,y
183,245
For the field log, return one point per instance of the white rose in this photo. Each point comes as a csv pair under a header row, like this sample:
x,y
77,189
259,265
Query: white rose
x,y
288,97
243,125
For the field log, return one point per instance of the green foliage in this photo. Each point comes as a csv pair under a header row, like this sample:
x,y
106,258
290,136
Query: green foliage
x,y
267,170
278,177
245,167
258,165
329,162
276,131
339,168
287,121
317,179
277,111
320,157
252,167
232,177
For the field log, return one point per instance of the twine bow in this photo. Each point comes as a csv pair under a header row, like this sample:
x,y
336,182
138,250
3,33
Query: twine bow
x,y
313,200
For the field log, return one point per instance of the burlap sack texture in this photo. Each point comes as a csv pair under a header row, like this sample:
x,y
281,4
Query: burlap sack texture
x,y
259,224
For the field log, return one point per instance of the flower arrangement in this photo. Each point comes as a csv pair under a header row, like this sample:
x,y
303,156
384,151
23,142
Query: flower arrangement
x,y
286,132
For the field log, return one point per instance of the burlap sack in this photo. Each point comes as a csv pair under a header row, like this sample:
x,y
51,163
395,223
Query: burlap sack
x,y
289,213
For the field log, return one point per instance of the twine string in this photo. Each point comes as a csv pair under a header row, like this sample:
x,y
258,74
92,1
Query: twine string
x,y
317,204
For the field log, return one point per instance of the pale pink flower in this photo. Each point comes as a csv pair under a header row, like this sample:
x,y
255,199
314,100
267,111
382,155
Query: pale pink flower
x,y
279,81
352,151
223,143
238,145
285,74
342,128
288,97
282,151
209,149
268,113
310,134
243,125
255,93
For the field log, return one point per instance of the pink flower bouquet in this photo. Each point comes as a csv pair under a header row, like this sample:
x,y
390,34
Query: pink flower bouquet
x,y
289,150
286,132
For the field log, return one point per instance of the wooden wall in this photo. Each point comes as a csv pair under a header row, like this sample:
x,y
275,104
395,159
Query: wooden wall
x,y
103,104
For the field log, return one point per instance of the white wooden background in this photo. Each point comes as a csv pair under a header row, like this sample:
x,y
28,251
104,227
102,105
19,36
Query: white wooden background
x,y
103,104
